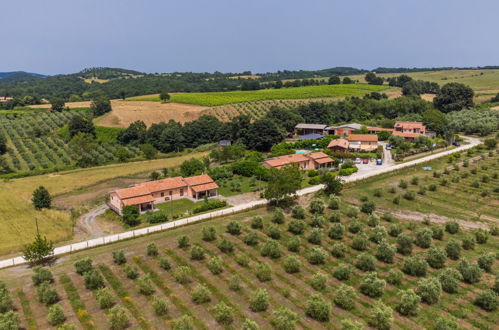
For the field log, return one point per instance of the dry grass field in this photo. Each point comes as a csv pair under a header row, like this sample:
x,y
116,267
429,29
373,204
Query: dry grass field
x,y
71,105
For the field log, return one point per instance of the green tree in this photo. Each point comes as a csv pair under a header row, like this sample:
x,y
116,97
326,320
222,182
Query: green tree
x,y
408,303
79,124
191,167
381,316
3,145
100,106
282,183
283,319
57,104
453,97
131,215
334,80
38,251
41,198
164,96
82,145
149,151
263,134
332,183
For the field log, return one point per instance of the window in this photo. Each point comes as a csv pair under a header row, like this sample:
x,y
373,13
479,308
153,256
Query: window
x,y
181,192
162,194
170,192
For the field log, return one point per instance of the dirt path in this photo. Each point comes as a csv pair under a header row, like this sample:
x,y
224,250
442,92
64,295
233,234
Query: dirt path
x,y
417,216
88,222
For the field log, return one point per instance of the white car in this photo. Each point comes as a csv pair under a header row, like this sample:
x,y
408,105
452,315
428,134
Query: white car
x,y
357,160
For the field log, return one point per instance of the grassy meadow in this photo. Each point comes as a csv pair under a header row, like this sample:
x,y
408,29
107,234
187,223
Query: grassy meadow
x,y
221,98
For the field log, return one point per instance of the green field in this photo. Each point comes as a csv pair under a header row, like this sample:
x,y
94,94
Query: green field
x,y
221,98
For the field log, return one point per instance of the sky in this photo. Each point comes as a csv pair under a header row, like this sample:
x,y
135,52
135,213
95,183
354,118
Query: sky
x,y
65,36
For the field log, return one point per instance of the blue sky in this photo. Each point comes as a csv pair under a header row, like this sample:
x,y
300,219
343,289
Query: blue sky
x,y
64,36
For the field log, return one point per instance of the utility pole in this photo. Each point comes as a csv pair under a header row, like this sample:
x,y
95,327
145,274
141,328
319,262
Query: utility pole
x,y
37,229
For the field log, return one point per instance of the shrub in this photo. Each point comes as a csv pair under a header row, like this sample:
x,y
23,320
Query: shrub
x,y
152,249
471,272
296,227
432,187
9,321
422,190
343,272
263,272
209,233
251,239
360,242
404,244
378,193
234,228
481,236
318,281
429,289
93,280
83,265
145,285
414,180
215,265
347,324
271,249
197,252
223,313
496,284
316,255
274,232
449,279
184,322
334,203
385,252
291,264
250,325
6,303
447,322
119,257
200,294
55,315
415,266
395,277
242,260
373,220
159,306
424,237
259,300
336,231
354,226
131,272
345,297
403,184
315,236
226,246
469,242
371,285
335,217
317,206
293,244
318,308
365,262
438,232
339,250
283,319
486,261
47,294
394,230
487,300
436,257
352,211
182,274
256,222
298,212
453,249
40,275
378,234
494,229
164,263
452,227
317,221
368,207
381,317
117,318
409,195
235,284
277,216
104,298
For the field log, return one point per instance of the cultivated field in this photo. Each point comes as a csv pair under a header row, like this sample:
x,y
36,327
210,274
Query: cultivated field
x,y
221,98
17,214
233,269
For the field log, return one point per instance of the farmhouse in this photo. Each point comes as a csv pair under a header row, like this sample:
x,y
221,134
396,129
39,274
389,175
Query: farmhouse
x,y
304,129
146,195
338,145
376,130
311,161
410,127
406,135
344,130
363,142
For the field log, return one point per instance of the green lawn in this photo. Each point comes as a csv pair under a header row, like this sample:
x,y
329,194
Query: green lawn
x,y
221,98
238,185
178,207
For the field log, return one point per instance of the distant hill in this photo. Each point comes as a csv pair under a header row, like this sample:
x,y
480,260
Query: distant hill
x,y
20,73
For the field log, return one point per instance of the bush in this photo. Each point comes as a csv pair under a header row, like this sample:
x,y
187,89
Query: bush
x,y
316,255
432,187
215,265
152,249
164,263
271,249
277,216
487,300
347,324
6,303
93,280
429,289
83,265
250,325
256,223
200,294
184,322
226,246
298,212
334,217
318,281
104,298
471,272
263,272
47,294
394,230
424,237
159,306
368,207
360,242
292,264
408,304
55,315
365,262
209,205
9,321
40,275
453,249
318,308
447,322
385,252
182,274
209,233
234,228
235,284
354,226
259,300
381,317
334,203
486,261
343,272
415,266
339,250
481,236
452,227
242,260
336,231
131,272
438,232
373,220
395,277
251,239
403,184
409,195
317,206
119,257
371,285
404,244
436,257
315,236
449,279
352,211
197,252
274,232
378,234
117,318
145,285
345,297
293,244
296,227
283,319
223,313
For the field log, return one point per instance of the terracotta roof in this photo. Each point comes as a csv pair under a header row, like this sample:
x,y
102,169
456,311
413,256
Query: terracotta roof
x,y
363,137
138,200
380,129
311,126
287,159
316,155
164,184
409,124
204,187
324,160
406,134
198,179
132,192
343,143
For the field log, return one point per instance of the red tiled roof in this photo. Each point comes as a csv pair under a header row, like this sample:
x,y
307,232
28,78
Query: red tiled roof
x,y
164,184
409,124
406,134
363,137
316,155
324,160
287,159
343,143
380,129
205,187
199,179
132,192
138,200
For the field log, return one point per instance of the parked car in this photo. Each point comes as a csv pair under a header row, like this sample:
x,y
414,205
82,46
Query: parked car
x,y
357,160
427,168
388,146
365,160
379,162
457,143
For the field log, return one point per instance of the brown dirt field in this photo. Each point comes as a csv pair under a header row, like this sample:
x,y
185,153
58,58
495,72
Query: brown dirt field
x,y
495,108
82,104
428,97
124,113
